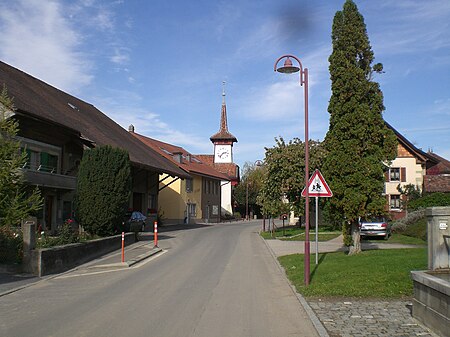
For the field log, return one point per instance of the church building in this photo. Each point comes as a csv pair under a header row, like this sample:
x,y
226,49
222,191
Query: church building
x,y
222,160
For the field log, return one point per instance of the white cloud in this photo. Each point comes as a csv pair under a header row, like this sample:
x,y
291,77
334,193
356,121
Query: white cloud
x,y
38,28
411,26
120,56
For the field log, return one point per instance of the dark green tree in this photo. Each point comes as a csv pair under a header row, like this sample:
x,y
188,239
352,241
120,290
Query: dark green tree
x,y
103,189
17,199
358,142
285,175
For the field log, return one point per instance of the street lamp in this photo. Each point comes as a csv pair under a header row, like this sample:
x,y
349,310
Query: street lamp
x,y
289,68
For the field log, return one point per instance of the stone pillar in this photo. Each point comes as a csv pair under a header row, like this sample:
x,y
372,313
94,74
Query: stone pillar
x,y
29,242
438,220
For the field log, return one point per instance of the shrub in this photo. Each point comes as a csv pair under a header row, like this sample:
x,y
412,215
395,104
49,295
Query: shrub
x,y
103,190
11,245
414,225
66,235
430,200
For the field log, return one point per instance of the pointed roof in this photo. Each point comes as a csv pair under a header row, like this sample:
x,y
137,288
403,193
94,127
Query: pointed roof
x,y
223,134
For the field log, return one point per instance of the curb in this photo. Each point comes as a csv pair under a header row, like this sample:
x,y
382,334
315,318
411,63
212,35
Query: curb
x,y
312,316
119,265
128,263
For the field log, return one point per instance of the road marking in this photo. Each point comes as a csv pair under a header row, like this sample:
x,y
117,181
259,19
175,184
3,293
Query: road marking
x,y
137,265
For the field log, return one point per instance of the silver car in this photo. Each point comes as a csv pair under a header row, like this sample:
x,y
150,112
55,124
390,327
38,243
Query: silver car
x,y
374,226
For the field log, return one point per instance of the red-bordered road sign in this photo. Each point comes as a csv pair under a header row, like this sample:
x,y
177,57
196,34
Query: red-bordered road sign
x,y
317,186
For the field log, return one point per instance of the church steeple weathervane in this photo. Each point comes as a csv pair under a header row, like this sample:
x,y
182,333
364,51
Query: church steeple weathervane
x,y
223,134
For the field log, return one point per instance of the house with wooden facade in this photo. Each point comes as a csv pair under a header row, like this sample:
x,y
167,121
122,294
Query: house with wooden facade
x,y
412,166
56,128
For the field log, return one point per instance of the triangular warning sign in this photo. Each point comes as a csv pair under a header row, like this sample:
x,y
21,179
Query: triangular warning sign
x,y
317,186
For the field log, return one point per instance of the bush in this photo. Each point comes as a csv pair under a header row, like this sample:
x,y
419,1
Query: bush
x,y
414,225
430,200
66,235
103,190
11,245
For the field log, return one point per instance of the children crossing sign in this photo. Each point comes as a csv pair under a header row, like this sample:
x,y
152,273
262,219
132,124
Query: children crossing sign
x,y
317,186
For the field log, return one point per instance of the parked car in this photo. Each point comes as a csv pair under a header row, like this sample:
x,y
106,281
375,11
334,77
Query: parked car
x,y
376,226
134,221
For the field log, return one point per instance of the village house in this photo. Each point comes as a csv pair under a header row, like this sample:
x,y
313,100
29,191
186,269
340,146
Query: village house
x,y
56,128
193,200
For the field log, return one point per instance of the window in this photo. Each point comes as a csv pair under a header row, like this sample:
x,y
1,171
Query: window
x,y
394,174
41,161
189,185
49,162
192,209
395,202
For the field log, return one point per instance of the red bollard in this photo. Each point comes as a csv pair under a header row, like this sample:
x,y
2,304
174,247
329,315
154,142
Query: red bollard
x,y
123,247
155,233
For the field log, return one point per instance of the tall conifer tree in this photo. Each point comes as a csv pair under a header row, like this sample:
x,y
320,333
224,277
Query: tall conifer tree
x,y
103,189
358,142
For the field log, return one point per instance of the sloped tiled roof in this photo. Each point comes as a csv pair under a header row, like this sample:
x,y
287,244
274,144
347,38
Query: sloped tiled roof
x,y
418,153
35,98
230,169
442,166
189,162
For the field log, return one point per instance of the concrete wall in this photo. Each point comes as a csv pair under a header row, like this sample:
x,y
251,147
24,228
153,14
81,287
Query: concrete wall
x,y
54,260
431,302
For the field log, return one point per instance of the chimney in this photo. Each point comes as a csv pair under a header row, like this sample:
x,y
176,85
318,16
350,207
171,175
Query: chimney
x,y
178,157
131,128
188,157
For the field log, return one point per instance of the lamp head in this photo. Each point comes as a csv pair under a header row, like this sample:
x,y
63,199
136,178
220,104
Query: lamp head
x,y
288,68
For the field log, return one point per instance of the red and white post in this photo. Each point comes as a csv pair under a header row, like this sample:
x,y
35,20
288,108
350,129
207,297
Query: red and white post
x,y
155,233
123,247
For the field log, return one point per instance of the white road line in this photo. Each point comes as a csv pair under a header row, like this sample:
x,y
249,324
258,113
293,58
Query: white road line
x,y
137,265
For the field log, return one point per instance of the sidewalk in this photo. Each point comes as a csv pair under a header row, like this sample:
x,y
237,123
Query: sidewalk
x,y
354,317
283,247
11,281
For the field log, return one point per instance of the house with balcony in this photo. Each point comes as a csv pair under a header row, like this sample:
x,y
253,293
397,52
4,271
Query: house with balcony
x,y
192,200
55,128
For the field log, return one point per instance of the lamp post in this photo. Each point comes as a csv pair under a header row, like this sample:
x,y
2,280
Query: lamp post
x,y
288,68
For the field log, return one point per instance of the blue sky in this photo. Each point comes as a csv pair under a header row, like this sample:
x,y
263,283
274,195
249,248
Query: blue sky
x,y
160,64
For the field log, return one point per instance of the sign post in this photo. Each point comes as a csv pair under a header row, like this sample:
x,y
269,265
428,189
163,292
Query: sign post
x,y
317,187
155,233
123,247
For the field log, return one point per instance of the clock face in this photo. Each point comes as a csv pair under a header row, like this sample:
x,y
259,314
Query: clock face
x,y
223,153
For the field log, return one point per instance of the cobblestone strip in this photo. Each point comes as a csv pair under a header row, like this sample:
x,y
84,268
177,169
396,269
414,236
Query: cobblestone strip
x,y
361,318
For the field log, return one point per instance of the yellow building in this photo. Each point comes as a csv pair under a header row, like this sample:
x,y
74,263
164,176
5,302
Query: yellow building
x,y
195,200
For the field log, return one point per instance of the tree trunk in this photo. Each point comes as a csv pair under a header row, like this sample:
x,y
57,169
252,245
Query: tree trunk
x,y
356,247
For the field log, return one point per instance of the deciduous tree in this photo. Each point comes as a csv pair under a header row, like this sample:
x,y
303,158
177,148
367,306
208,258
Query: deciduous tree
x,y
285,175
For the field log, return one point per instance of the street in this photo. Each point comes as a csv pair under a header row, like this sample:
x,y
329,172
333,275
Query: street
x,y
217,280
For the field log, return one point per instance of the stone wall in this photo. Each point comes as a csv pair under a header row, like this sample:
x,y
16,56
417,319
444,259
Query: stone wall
x,y
54,260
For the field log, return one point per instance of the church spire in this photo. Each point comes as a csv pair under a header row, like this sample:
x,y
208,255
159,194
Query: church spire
x,y
223,134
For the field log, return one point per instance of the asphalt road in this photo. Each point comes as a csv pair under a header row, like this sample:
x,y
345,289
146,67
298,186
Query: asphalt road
x,y
218,280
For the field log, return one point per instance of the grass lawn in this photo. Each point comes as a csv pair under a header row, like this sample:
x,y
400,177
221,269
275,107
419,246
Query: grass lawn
x,y
297,234
399,238
371,274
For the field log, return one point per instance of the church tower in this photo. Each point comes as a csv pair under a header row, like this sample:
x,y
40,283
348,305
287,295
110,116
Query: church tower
x,y
223,140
